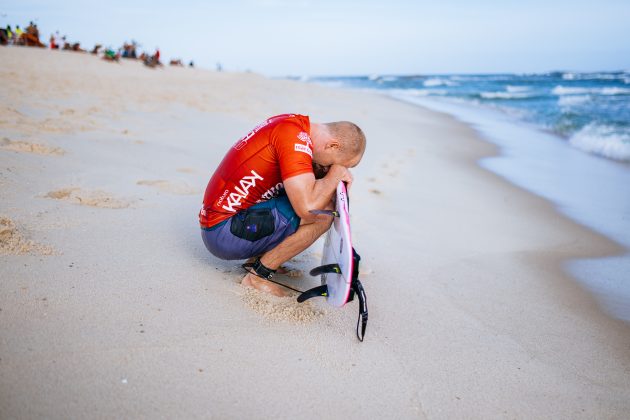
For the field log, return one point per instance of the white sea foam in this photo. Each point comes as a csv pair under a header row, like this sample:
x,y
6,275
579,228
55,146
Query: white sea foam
x,y
604,141
572,100
418,92
436,81
615,91
563,90
505,95
511,88
591,76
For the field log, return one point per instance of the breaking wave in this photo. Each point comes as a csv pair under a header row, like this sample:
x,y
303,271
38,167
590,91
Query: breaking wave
x,y
432,82
563,90
603,140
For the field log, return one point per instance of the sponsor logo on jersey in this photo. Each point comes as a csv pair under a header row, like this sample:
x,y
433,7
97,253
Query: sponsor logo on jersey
x,y
303,148
271,192
234,199
225,193
303,135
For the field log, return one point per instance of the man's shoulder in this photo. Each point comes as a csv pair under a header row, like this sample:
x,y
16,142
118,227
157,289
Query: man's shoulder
x,y
289,121
294,126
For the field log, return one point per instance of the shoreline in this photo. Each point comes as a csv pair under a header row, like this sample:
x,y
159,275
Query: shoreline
x,y
470,312
603,275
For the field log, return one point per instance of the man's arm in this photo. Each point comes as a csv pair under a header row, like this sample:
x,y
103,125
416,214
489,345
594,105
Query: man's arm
x,y
307,193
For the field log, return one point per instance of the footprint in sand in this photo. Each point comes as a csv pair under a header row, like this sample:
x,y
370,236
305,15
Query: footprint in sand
x,y
13,242
26,147
179,188
88,198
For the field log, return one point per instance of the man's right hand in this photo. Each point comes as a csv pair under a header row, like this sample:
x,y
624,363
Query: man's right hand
x,y
340,173
306,193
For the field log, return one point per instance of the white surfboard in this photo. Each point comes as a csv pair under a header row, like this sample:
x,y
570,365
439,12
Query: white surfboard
x,y
340,282
338,250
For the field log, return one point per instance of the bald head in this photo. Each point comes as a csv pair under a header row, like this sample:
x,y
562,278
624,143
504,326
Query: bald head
x,y
350,137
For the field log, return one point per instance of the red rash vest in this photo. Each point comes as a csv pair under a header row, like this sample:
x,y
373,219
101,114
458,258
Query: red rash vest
x,y
254,169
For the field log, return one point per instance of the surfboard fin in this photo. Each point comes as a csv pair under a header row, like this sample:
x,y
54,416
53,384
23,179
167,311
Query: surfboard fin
x,y
328,268
314,292
331,213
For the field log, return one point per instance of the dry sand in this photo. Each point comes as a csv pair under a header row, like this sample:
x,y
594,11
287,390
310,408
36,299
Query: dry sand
x,y
471,315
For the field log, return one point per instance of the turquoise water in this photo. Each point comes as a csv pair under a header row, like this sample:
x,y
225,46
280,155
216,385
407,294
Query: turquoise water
x,y
591,111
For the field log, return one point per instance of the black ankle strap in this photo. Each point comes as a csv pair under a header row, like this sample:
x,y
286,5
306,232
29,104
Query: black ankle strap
x,y
259,269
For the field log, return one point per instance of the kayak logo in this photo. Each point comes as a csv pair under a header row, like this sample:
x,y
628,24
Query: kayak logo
x,y
304,149
234,199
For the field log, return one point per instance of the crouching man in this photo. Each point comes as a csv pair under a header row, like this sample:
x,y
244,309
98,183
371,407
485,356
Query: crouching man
x,y
257,203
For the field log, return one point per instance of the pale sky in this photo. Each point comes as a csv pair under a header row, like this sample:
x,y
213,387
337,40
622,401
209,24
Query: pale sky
x,y
327,37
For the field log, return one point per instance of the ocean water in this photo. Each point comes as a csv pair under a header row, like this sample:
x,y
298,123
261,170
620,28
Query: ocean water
x,y
591,111
563,136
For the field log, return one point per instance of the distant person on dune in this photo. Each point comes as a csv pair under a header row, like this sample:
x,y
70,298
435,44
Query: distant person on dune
x,y
154,60
53,44
5,35
257,203
30,38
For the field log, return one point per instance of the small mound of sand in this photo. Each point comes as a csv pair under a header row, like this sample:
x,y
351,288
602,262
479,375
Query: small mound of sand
x,y
179,188
187,170
88,198
23,146
12,242
285,309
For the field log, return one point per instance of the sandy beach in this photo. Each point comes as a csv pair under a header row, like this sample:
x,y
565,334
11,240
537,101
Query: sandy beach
x,y
111,307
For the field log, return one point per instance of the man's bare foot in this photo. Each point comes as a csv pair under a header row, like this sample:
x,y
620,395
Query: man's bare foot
x,y
251,280
290,272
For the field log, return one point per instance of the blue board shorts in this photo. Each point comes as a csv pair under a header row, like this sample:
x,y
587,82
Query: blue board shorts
x,y
253,231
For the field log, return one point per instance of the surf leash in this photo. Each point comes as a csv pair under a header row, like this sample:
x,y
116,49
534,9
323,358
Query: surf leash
x,y
257,268
358,289
355,290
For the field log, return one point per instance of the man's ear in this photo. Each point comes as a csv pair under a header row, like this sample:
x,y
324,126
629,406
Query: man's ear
x,y
333,145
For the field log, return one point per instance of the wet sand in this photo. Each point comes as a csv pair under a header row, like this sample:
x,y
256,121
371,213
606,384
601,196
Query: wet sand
x,y
117,309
